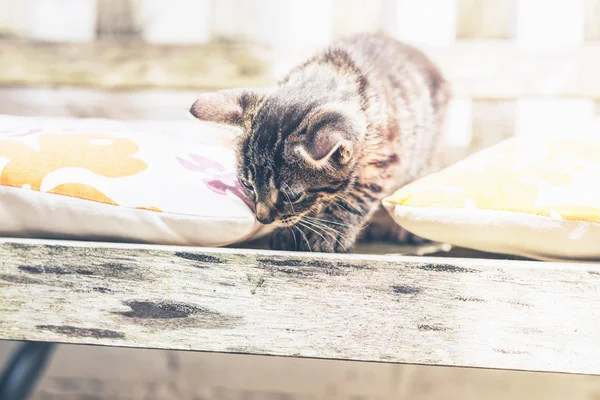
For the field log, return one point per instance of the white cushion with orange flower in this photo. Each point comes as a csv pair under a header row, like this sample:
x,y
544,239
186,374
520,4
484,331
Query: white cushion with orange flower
x,y
538,198
164,183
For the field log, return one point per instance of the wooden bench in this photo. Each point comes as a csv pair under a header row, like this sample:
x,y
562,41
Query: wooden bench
x,y
463,312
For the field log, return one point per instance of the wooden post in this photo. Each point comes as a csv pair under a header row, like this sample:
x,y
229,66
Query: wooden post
x,y
357,16
291,29
426,21
7,18
483,19
592,20
410,26
118,19
457,129
276,23
561,24
58,20
543,23
176,21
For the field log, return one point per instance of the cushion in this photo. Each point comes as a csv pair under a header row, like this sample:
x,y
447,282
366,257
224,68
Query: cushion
x,y
529,197
161,183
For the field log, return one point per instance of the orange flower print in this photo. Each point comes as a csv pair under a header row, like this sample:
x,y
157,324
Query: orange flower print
x,y
101,154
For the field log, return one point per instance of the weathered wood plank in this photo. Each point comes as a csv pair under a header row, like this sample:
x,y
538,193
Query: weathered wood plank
x,y
132,65
477,69
99,372
457,312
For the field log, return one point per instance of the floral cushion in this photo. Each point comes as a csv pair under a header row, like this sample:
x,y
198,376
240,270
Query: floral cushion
x,y
531,197
163,183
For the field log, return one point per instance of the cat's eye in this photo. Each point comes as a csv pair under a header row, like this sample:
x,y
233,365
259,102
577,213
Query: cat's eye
x,y
292,198
247,185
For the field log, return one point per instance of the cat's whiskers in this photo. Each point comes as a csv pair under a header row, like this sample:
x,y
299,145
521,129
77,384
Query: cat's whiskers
x,y
295,241
328,221
352,205
305,238
322,226
305,225
345,209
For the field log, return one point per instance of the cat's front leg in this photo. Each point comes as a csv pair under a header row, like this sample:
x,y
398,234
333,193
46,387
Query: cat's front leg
x,y
312,236
285,239
333,230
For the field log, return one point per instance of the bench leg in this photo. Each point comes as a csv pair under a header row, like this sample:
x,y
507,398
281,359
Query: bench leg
x,y
24,369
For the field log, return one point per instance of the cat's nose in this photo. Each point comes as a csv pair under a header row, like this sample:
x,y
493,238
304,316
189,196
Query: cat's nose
x,y
265,220
264,214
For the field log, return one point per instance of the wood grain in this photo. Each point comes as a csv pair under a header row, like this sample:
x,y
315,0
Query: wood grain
x,y
456,312
484,70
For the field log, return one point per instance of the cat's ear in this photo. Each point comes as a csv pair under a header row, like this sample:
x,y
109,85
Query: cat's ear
x,y
227,106
326,146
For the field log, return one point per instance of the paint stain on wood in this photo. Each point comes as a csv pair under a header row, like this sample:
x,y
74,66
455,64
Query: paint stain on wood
x,y
176,314
162,310
202,258
30,269
102,270
42,270
57,247
453,269
519,303
259,284
102,289
307,268
18,246
512,352
531,331
434,328
471,299
279,263
75,332
20,279
401,289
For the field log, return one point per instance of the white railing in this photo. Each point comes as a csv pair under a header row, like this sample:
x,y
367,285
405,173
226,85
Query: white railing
x,y
487,112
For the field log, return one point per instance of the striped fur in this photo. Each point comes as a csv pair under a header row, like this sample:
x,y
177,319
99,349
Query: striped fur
x,y
320,150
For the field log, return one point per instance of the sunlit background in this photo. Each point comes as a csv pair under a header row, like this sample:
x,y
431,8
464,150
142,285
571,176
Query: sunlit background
x,y
517,67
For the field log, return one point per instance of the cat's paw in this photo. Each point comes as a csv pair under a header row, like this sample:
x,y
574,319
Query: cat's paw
x,y
390,233
322,242
284,239
299,239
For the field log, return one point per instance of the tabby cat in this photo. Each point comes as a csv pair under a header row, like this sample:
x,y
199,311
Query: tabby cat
x,y
319,151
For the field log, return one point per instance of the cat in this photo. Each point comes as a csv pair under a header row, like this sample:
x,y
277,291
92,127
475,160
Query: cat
x,y
318,152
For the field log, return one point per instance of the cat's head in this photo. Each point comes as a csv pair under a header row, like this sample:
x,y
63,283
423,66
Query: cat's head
x,y
294,153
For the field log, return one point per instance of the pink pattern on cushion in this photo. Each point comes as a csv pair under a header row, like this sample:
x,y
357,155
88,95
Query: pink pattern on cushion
x,y
217,177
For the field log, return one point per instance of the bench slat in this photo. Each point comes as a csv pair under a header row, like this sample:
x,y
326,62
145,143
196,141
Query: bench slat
x,y
486,70
441,311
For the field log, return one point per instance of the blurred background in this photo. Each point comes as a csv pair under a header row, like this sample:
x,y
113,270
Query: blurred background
x,y
517,67
524,67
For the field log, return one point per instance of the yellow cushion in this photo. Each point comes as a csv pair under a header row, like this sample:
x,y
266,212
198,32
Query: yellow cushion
x,y
546,190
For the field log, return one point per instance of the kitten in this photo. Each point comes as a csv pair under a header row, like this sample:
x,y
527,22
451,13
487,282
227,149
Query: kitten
x,y
319,151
